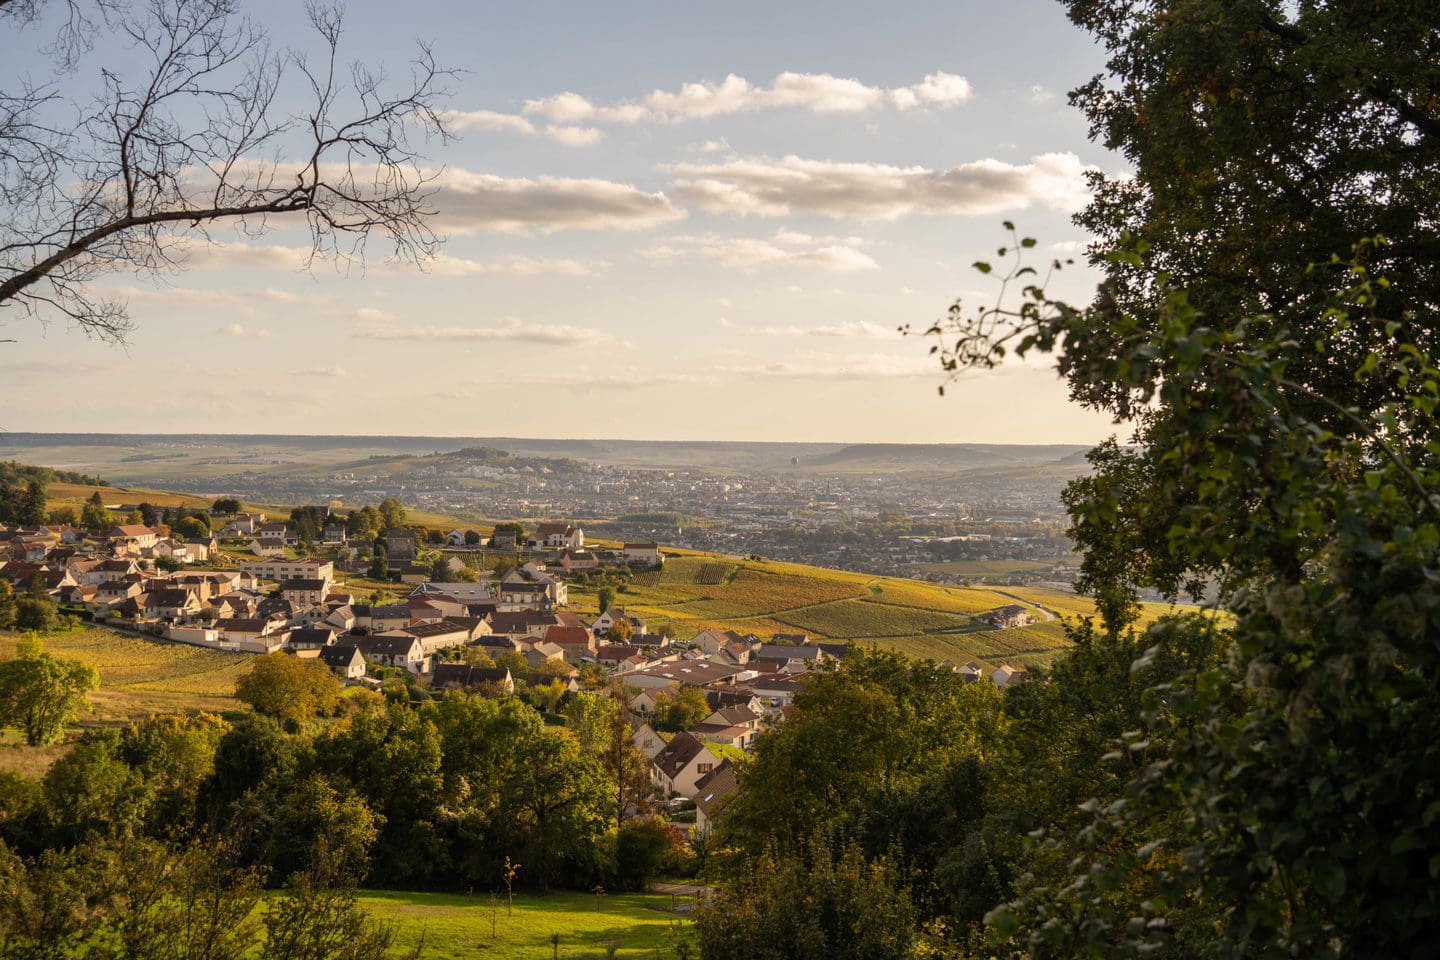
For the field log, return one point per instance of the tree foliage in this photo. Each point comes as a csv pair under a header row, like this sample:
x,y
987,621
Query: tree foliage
x,y
1267,326
289,688
40,694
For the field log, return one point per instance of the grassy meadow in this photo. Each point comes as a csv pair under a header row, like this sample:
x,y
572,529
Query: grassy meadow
x,y
454,926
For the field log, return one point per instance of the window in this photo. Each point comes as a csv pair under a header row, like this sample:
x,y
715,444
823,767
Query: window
x,y
703,767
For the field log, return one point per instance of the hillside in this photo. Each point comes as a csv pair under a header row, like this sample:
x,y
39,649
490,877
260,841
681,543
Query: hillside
x,y
695,591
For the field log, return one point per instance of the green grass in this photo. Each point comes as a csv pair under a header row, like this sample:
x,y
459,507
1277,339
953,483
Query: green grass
x,y
855,619
455,926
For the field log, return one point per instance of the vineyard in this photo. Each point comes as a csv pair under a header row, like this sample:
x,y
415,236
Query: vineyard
x,y
140,676
695,591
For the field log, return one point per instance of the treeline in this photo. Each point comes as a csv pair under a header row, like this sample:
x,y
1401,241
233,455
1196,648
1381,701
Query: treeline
x,y
435,795
900,805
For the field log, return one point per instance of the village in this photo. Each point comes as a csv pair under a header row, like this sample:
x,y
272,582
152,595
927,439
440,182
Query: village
x,y
694,703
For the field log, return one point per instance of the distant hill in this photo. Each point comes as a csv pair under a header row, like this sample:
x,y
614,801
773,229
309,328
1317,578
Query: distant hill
x,y
156,456
947,456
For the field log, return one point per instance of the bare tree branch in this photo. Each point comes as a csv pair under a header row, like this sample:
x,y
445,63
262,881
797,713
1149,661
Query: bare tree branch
x,y
191,134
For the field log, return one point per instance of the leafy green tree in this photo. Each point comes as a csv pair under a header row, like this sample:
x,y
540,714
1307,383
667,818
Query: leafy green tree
x,y
94,516
392,512
817,905
379,568
175,754
40,693
226,506
32,507
7,606
440,571
605,598
1267,324
92,790
289,688
472,537
681,711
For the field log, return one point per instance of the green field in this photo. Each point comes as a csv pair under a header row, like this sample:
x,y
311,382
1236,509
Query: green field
x,y
456,926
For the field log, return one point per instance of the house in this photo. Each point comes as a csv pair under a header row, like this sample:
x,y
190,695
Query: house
x,y
168,549
558,536
1007,676
345,660
711,792
305,592
133,537
462,676
574,561
246,631
678,767
335,535
242,525
270,549
576,642
523,623
503,540
645,739
542,650
1010,615
311,638
433,636
305,568
399,544
641,554
694,673
274,533
969,672
395,651
606,620
171,604
392,616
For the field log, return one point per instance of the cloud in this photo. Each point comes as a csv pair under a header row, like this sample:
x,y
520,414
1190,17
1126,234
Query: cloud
x,y
1039,95
492,121
705,99
236,330
859,329
339,373
474,201
749,253
241,299
255,255
575,136
871,191
505,329
444,265
830,366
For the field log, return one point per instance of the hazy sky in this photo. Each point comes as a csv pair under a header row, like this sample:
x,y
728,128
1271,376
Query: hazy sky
x,y
665,220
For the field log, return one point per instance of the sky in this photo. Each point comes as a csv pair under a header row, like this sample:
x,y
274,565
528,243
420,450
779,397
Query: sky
x,y
662,221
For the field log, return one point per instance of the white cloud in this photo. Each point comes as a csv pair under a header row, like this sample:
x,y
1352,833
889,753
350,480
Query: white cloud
x,y
856,329
493,121
1039,95
444,265
236,330
505,329
770,187
339,373
488,120
749,253
472,201
704,99
574,136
